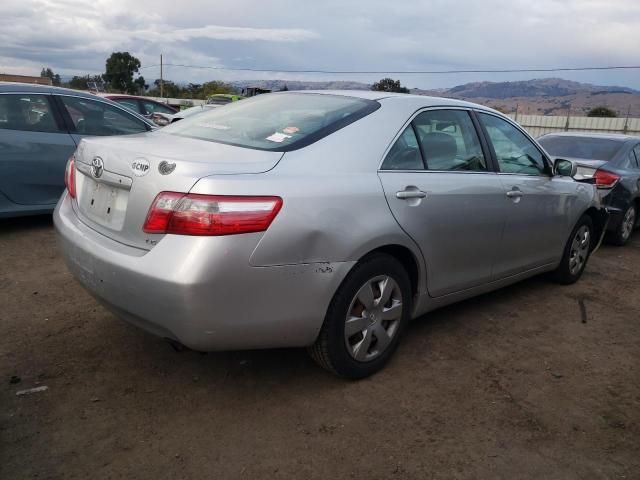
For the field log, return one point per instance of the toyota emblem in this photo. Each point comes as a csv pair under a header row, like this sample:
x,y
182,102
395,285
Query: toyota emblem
x,y
97,167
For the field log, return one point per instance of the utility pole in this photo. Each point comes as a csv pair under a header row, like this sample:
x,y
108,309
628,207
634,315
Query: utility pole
x,y
626,121
161,79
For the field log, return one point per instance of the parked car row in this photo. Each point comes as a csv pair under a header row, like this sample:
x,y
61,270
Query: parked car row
x,y
40,128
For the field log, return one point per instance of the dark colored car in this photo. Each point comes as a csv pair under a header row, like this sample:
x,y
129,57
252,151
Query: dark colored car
x,y
40,128
142,105
612,161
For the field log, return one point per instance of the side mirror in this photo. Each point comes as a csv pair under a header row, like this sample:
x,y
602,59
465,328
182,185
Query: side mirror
x,y
564,167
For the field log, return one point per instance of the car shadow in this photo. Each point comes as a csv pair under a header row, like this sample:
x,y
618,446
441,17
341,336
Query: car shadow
x,y
17,224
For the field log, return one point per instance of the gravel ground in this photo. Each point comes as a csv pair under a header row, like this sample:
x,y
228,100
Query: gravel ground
x,y
521,383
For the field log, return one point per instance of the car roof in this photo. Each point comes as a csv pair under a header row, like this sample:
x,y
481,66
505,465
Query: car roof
x,y
420,101
15,87
619,137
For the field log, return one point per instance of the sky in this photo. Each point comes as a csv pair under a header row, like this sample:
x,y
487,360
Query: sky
x,y
76,36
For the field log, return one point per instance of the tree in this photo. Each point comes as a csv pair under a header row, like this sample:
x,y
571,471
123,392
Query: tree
x,y
48,73
601,111
119,70
285,88
213,87
389,85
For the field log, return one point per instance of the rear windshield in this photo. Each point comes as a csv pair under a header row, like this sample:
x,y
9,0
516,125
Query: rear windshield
x,y
581,147
279,122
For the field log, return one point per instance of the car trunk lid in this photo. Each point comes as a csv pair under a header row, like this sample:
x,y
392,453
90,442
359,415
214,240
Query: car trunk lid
x,y
117,178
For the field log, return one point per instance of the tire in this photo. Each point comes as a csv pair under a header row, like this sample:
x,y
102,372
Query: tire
x,y
621,235
354,351
576,252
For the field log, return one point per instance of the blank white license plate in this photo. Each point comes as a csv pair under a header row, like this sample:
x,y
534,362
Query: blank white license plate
x,y
104,204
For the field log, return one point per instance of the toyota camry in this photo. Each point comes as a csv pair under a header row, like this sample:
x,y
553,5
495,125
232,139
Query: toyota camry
x,y
325,220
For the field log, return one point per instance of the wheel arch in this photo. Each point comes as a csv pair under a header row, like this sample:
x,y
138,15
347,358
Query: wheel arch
x,y
600,218
408,259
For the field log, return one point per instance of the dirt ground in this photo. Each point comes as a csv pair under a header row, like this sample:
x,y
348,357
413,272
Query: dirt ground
x,y
518,384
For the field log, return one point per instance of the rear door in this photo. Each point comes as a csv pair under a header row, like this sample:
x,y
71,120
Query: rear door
x,y
442,190
538,203
34,149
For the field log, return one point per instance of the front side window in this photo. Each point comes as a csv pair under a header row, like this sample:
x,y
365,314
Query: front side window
x,y
276,122
31,113
92,117
449,141
514,151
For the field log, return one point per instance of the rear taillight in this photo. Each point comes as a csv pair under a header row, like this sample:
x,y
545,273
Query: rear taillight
x,y
193,214
70,177
604,179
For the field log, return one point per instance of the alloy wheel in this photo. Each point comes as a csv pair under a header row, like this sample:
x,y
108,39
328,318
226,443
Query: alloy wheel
x,y
579,249
628,223
373,318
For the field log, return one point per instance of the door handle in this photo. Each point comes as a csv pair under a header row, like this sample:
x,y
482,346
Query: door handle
x,y
407,194
514,193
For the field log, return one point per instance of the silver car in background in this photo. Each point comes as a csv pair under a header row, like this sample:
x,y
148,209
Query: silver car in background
x,y
325,220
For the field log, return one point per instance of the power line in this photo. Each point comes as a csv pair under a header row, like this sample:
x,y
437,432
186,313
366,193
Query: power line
x,y
408,72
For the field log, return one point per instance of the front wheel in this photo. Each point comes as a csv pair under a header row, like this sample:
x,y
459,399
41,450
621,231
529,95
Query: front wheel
x,y
364,321
576,252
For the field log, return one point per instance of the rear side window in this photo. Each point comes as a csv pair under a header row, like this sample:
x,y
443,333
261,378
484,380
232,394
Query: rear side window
x,y
91,117
30,113
405,153
581,147
449,141
277,122
443,140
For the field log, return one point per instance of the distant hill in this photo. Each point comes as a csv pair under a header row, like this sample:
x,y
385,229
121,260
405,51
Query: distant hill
x,y
276,85
544,96
545,87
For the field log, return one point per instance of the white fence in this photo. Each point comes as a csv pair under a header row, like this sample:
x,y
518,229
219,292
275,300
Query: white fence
x,y
538,125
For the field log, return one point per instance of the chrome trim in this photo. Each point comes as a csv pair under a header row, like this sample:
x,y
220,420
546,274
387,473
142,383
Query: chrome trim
x,y
109,178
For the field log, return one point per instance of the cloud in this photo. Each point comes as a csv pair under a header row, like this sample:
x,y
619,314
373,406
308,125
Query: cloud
x,y
76,36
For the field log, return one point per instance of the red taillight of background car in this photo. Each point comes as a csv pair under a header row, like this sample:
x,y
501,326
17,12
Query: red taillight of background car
x,y
70,177
604,179
193,214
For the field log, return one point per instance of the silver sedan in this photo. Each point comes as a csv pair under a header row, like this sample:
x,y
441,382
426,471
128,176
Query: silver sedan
x,y
325,220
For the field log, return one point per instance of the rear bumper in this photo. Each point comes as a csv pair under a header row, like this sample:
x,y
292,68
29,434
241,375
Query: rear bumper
x,y
201,291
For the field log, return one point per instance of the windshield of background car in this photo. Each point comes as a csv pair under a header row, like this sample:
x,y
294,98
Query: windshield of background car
x,y
581,147
276,122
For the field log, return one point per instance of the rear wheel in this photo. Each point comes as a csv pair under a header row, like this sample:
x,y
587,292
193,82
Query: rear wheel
x,y
621,235
576,252
365,318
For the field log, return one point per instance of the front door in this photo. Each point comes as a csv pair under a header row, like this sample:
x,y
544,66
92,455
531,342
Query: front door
x,y
538,204
442,191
